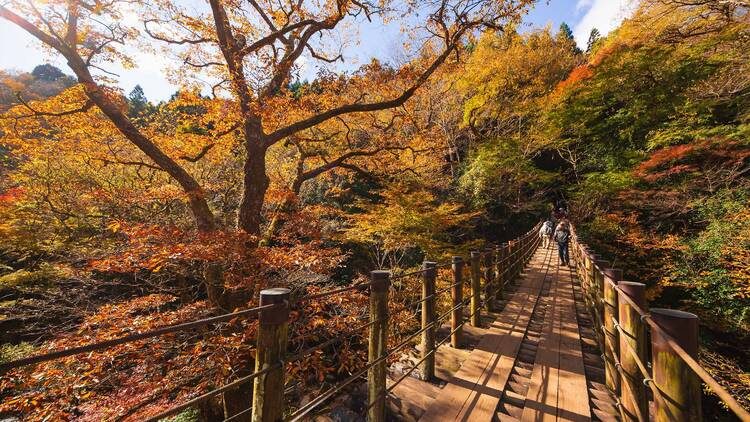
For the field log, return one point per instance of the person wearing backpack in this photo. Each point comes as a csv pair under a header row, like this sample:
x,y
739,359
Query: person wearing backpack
x,y
545,233
562,237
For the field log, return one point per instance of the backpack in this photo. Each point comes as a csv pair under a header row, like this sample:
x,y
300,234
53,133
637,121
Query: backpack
x,y
547,229
561,236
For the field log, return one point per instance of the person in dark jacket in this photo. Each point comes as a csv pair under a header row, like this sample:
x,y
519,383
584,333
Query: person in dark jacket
x,y
562,237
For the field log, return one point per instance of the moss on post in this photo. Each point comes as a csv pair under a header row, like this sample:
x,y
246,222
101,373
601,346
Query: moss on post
x,y
457,298
680,386
428,317
611,314
633,391
268,391
476,289
499,277
378,345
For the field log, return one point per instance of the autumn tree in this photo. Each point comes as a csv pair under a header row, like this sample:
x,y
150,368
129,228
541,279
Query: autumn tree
x,y
252,50
506,83
406,219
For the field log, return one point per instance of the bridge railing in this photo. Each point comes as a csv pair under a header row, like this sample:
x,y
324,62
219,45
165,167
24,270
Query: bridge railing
x,y
627,330
485,280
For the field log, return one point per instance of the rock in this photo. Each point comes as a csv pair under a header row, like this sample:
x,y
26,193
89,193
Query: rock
x,y
307,398
344,414
342,400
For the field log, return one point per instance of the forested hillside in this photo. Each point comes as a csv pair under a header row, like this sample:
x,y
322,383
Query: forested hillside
x,y
119,214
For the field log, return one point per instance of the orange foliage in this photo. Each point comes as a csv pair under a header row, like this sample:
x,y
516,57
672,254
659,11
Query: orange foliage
x,y
578,75
696,156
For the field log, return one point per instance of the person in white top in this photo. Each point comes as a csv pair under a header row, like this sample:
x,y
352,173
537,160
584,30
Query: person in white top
x,y
545,233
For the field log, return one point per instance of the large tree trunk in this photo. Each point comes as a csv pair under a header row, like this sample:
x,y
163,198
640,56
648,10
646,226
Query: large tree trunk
x,y
255,179
204,218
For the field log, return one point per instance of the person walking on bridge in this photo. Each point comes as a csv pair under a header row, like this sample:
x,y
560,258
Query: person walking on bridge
x,y
562,237
545,233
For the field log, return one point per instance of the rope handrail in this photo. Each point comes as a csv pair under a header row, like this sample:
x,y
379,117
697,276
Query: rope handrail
x,y
177,409
701,372
509,256
644,372
358,286
669,340
131,338
516,255
329,342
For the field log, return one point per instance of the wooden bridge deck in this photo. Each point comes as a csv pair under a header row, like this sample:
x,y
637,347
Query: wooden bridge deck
x,y
535,360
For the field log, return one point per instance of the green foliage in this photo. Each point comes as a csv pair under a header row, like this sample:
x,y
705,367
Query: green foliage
x,y
497,170
594,38
711,264
44,81
565,31
406,221
47,72
506,82
189,415
45,275
597,188
10,352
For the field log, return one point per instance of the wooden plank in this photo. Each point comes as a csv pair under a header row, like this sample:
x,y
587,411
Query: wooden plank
x,y
541,399
424,388
492,360
483,406
573,398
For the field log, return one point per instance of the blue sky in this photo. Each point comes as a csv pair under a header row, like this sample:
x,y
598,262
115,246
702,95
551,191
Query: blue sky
x,y
376,40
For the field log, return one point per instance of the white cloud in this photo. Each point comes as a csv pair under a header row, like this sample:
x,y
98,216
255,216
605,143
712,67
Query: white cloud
x,y
583,4
604,15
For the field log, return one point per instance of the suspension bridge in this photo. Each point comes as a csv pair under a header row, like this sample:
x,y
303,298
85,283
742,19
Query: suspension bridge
x,y
522,338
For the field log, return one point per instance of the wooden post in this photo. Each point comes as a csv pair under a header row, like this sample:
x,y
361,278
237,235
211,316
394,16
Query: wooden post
x,y
499,279
586,259
680,386
599,292
378,344
489,281
592,273
633,396
584,271
612,276
476,289
428,317
511,261
457,297
591,281
268,391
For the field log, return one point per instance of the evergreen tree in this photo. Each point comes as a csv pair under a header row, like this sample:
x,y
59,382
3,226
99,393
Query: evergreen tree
x,y
594,37
138,104
565,36
47,72
565,31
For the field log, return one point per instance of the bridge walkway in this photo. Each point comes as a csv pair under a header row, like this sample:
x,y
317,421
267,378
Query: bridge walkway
x,y
534,360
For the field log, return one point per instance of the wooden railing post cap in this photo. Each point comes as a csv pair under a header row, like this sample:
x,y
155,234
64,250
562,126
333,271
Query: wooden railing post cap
x,y
614,274
380,280
635,291
274,296
680,325
475,255
429,264
457,260
602,264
